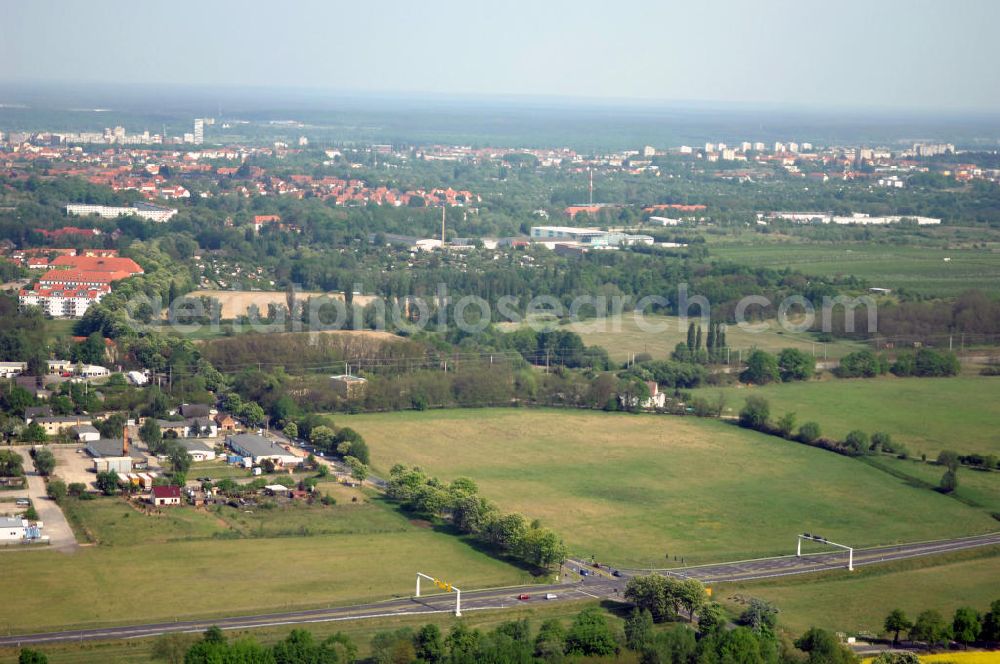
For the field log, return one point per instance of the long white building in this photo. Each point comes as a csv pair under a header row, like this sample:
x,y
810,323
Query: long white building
x,y
142,210
859,218
587,237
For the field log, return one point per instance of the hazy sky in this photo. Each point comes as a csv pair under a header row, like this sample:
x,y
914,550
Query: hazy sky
x,y
891,53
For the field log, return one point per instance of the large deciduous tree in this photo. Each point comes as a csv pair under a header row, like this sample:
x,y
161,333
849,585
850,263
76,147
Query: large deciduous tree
x,y
897,622
931,628
795,364
762,368
966,625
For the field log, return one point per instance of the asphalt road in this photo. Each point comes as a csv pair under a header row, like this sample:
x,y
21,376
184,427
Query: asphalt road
x,y
765,568
598,585
497,598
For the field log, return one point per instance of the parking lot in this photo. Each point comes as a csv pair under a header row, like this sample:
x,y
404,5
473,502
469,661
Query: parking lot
x,y
73,464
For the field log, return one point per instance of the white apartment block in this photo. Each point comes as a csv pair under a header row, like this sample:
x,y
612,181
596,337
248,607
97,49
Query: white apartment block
x,y
62,301
142,210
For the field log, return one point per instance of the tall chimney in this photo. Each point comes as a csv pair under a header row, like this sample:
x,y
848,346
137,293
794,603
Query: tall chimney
x,y
125,440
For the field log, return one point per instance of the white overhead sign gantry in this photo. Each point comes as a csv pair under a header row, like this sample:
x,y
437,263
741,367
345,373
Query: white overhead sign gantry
x,y
443,585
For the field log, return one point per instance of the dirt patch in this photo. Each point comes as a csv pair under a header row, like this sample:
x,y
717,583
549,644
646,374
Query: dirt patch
x,y
421,523
366,334
73,464
235,303
219,520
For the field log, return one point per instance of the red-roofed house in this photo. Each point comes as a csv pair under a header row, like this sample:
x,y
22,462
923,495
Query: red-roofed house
x,y
573,210
81,278
76,282
261,219
175,191
98,264
165,495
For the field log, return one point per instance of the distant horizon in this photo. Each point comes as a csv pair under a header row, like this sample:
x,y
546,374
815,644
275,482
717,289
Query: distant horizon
x,y
897,55
56,90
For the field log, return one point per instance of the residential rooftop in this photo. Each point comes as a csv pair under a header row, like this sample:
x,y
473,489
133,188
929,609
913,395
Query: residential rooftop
x,y
110,447
192,445
256,445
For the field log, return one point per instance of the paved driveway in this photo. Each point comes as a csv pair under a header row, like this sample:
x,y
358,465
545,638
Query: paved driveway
x,y
53,520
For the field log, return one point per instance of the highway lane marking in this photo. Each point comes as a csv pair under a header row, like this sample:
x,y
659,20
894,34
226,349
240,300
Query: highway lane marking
x,y
140,633
783,566
284,623
928,545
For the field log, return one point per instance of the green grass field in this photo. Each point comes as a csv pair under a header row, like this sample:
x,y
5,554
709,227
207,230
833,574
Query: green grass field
x,y
927,414
857,602
631,489
974,486
920,269
622,336
116,523
58,327
153,568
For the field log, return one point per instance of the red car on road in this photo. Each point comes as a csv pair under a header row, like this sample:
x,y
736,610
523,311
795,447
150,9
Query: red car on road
x,y
524,596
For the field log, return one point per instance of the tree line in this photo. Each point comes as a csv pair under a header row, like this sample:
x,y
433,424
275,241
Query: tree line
x,y
588,635
460,504
967,626
756,415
